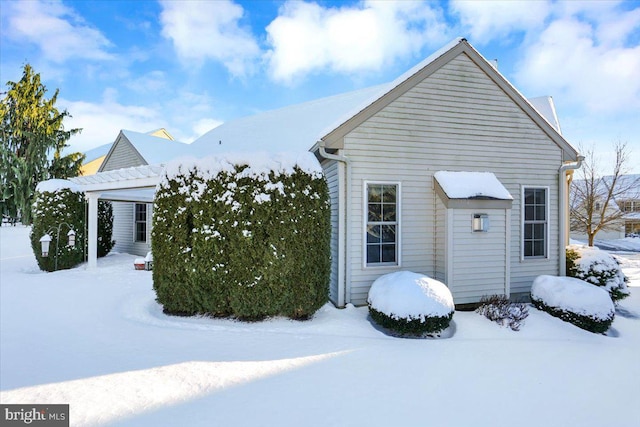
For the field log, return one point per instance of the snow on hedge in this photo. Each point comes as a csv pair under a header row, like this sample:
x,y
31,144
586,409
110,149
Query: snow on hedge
x,y
259,164
54,185
573,295
408,295
597,267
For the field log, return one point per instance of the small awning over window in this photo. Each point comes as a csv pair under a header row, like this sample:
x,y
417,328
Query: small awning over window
x,y
471,189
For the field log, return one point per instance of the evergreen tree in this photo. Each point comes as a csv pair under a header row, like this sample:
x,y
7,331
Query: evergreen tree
x,y
33,138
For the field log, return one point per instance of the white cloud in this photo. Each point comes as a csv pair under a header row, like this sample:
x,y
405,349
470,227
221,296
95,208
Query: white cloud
x,y
598,74
307,37
492,20
204,30
185,116
101,122
151,82
203,126
56,29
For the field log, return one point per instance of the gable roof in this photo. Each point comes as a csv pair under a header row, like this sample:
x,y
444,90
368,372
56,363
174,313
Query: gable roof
x,y
326,121
154,149
151,149
429,66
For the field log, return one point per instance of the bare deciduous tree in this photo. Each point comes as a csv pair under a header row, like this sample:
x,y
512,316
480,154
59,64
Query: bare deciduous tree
x,y
594,197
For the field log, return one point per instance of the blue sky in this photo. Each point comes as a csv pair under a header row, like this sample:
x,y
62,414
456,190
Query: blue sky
x,y
190,65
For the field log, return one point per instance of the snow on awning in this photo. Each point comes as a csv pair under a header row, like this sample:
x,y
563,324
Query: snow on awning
x,y
471,189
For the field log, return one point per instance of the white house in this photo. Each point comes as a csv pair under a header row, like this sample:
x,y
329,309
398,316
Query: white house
x,y
624,209
447,171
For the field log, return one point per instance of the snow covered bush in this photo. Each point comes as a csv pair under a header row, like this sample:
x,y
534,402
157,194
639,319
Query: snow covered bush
x,y
242,237
598,268
575,301
501,310
105,228
410,304
59,201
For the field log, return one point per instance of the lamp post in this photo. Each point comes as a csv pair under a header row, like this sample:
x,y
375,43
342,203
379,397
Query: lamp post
x,y
45,241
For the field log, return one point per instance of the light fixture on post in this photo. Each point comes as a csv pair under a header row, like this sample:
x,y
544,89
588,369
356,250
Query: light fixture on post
x,y
72,238
45,241
44,244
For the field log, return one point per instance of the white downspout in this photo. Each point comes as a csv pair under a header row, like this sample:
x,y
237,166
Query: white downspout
x,y
343,237
564,210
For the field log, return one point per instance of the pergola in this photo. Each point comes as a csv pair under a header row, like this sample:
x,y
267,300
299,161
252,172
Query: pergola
x,y
135,184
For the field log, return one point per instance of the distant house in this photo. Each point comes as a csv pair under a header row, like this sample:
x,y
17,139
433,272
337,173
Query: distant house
x,y
93,159
447,171
132,221
629,204
625,207
96,156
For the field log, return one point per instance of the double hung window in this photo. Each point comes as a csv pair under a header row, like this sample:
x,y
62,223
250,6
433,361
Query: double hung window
x,y
382,226
140,222
536,225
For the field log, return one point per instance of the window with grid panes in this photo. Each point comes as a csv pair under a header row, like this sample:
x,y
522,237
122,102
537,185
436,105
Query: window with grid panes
x,y
140,222
382,224
535,225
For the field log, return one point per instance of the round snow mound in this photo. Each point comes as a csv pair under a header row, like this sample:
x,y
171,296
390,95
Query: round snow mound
x,y
574,295
410,303
573,300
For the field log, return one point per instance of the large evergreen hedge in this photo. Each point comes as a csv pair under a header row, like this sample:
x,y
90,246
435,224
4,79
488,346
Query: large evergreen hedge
x,y
67,205
242,240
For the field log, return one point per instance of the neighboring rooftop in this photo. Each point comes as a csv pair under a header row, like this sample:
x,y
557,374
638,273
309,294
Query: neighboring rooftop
x,y
155,149
547,109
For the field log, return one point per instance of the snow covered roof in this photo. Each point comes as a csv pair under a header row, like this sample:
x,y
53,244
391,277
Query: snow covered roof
x,y
97,152
292,128
547,109
471,185
155,149
631,182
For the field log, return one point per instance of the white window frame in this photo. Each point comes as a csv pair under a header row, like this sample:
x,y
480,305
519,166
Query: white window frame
x,y
546,222
365,222
135,222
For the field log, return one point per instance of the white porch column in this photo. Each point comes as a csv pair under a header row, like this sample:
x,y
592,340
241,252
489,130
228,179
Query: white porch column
x,y
93,230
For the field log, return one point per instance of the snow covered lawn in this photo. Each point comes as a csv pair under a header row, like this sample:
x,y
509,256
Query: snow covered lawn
x,y
98,341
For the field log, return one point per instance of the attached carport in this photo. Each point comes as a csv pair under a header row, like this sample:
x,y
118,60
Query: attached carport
x,y
136,184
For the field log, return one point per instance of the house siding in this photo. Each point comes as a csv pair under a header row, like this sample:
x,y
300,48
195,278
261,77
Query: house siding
x,y
330,169
456,119
478,257
124,155
440,245
123,230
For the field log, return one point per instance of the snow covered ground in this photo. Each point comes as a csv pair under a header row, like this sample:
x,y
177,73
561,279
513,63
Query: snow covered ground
x,y
628,244
98,341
